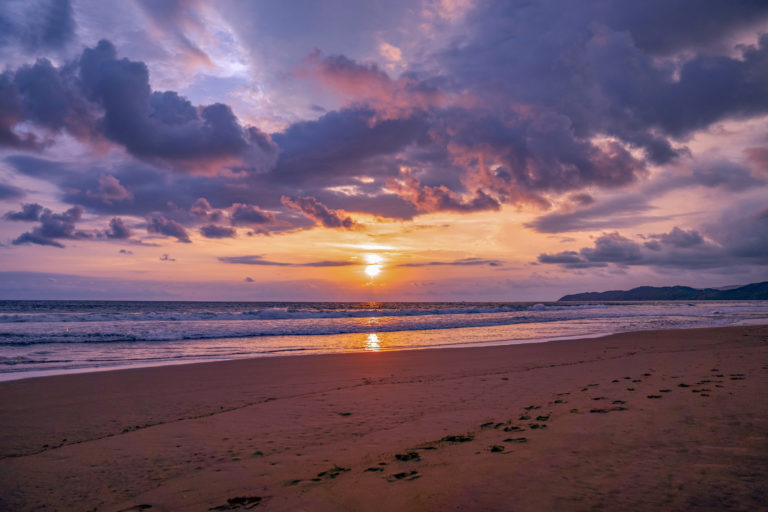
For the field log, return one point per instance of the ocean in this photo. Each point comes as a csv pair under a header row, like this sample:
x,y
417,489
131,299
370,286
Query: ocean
x,y
54,337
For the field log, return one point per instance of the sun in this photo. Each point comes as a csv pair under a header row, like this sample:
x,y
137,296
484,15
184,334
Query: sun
x,y
373,267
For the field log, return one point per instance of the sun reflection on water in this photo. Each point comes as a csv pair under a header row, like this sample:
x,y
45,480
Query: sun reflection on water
x,y
372,343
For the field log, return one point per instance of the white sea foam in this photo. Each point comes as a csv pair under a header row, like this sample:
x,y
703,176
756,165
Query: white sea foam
x,y
43,335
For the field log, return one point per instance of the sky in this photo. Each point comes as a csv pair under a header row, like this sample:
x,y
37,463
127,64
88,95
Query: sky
x,y
421,150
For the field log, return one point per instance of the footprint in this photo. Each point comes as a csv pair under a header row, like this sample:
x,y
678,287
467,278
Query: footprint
x,y
654,396
458,438
496,448
238,502
374,468
333,472
516,440
410,475
405,457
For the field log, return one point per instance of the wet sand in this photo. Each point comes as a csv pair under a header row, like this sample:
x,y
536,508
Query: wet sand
x,y
668,420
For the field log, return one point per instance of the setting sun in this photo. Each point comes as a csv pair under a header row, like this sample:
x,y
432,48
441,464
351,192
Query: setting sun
x,y
373,267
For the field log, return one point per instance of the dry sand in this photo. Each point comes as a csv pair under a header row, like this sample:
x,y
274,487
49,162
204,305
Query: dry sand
x,y
669,420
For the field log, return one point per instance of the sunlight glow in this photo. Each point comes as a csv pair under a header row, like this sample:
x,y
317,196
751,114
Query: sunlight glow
x,y
374,262
372,343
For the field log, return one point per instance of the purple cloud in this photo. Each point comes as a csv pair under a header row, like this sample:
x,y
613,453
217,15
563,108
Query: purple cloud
x,y
167,227
320,213
54,226
213,231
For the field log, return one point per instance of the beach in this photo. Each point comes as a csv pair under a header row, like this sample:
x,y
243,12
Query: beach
x,y
654,420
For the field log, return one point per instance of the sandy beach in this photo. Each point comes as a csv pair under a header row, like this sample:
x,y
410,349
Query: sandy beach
x,y
666,420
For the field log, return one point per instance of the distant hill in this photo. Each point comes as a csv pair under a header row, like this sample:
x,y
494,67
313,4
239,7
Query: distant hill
x,y
754,291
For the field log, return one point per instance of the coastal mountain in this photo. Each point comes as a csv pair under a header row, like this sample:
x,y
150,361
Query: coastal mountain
x,y
754,291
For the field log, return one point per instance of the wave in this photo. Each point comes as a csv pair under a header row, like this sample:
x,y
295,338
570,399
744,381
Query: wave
x,y
279,313
170,331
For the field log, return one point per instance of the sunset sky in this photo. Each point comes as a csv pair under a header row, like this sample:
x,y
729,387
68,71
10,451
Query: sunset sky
x,y
380,150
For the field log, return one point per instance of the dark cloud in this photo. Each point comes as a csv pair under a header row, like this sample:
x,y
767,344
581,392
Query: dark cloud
x,y
10,192
214,231
41,25
725,174
614,213
246,214
612,248
737,240
440,198
167,227
318,212
568,259
125,251
118,230
259,260
102,95
110,190
680,238
54,226
30,212
596,64
464,262
341,144
166,257
160,124
249,280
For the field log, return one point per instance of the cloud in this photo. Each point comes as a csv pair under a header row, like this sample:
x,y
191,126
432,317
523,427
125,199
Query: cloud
x,y
165,257
30,212
341,144
680,238
10,192
118,230
249,280
736,240
625,210
53,226
603,73
173,17
125,251
246,214
110,190
439,198
213,231
259,260
318,212
46,24
101,95
464,262
167,227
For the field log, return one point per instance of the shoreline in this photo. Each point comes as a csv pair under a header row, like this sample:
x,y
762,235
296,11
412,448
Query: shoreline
x,y
339,431
44,373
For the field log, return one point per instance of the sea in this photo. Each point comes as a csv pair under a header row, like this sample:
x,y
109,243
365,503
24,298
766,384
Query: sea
x,y
40,338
